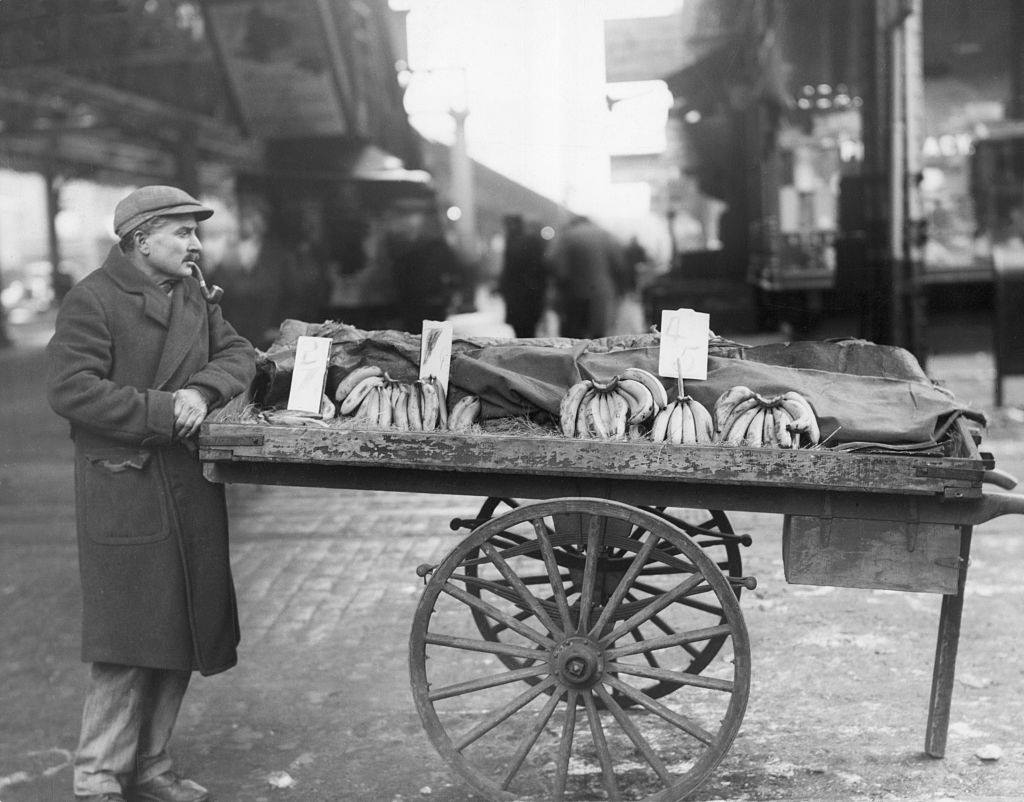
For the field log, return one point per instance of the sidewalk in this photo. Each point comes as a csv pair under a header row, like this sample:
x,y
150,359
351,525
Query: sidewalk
x,y
327,590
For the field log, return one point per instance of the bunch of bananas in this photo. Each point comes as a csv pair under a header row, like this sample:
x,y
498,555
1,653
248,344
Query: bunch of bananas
x,y
746,418
612,409
292,417
288,417
685,421
369,395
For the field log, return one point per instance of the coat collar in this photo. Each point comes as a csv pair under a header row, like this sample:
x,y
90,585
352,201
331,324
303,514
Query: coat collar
x,y
181,313
128,277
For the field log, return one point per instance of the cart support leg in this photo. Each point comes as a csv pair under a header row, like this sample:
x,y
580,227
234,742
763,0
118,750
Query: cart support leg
x,y
945,656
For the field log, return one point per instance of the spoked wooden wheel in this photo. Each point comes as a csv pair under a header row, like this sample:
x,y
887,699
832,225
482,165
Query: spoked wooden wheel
x,y
709,529
565,736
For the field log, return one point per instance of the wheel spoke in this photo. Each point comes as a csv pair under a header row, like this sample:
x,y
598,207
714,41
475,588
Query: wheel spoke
x,y
655,606
634,734
526,580
704,607
709,527
675,570
530,738
499,589
540,580
689,601
565,746
637,565
660,624
490,646
522,546
498,628
635,533
482,683
675,677
499,715
507,541
651,590
650,658
497,615
557,581
589,572
668,641
676,719
604,756
665,570
528,598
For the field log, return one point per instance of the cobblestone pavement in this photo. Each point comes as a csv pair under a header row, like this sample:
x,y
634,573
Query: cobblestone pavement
x,y
327,591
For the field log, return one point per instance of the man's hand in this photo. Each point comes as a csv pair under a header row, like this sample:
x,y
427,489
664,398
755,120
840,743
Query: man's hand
x,y
189,412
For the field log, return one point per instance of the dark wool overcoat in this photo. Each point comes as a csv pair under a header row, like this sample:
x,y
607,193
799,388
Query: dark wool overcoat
x,y
152,532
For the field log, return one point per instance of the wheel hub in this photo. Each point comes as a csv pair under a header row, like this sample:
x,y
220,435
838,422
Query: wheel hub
x,y
578,662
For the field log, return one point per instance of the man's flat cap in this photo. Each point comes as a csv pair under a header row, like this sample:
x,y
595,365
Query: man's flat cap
x,y
146,203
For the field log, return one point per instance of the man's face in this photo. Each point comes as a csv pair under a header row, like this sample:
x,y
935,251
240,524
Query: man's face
x,y
169,248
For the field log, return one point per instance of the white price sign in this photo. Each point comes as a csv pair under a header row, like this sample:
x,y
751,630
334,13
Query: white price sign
x,y
310,374
684,344
436,351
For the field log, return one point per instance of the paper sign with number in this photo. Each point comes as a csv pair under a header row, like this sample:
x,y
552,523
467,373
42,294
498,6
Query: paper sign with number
x,y
436,351
310,374
684,344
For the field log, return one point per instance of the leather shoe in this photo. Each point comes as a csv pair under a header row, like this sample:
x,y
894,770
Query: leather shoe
x,y
169,787
110,796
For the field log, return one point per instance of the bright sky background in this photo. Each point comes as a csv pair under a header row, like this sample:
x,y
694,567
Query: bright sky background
x,y
531,74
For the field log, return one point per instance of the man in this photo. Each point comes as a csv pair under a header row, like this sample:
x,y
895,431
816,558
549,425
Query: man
x,y
585,261
425,266
524,276
138,358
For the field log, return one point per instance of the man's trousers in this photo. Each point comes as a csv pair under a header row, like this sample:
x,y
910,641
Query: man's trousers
x,y
127,722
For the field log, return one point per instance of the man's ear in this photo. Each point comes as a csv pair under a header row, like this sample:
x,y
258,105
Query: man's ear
x,y
141,244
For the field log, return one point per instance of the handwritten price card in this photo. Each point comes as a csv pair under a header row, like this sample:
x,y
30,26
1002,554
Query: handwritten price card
x,y
436,351
310,374
684,344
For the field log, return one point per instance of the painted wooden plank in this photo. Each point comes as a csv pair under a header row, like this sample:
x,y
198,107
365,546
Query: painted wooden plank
x,y
638,492
553,456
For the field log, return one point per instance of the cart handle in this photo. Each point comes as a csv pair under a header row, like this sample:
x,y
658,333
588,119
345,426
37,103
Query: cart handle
x,y
999,478
997,504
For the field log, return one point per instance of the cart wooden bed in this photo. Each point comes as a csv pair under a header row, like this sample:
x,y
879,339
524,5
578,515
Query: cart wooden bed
x,y
625,551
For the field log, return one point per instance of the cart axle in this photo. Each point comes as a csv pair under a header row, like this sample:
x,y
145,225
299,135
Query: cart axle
x,y
424,570
748,582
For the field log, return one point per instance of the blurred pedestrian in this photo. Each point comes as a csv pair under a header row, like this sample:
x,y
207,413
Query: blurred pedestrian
x,y
426,267
255,276
524,276
585,261
634,258
137,359
307,283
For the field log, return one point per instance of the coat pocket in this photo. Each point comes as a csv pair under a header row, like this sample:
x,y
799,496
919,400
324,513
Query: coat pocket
x,y
121,498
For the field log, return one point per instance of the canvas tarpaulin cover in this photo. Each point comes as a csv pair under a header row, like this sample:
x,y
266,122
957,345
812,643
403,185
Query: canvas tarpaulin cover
x,y
860,392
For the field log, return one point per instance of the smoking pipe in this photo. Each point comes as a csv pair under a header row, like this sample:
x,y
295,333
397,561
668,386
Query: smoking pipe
x,y
211,294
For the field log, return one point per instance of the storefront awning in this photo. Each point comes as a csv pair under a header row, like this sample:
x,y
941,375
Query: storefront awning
x,y
128,92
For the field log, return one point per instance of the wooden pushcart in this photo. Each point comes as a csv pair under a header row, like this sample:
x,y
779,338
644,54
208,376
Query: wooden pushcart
x,y
590,642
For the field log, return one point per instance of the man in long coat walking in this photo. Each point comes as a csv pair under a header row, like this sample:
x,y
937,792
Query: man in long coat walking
x,y
138,358
585,262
